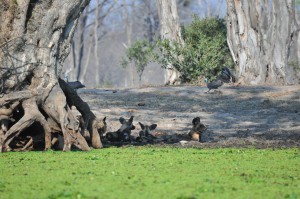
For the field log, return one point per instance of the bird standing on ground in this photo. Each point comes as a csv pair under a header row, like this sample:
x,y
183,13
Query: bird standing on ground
x,y
225,77
214,84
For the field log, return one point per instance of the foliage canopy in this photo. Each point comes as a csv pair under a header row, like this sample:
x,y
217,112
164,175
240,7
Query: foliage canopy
x,y
203,53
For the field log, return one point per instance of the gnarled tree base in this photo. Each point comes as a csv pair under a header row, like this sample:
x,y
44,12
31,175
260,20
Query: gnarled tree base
x,y
35,39
55,118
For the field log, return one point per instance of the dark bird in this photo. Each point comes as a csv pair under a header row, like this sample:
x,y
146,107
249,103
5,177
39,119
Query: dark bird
x,y
214,84
226,76
76,85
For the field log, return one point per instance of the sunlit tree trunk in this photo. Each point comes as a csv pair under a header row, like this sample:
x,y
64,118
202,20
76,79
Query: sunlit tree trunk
x,y
169,29
261,35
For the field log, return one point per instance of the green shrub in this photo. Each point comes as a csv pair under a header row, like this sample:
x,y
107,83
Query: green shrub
x,y
204,53
141,54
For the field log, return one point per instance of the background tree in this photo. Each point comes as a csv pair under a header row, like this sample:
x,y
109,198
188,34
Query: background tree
x,y
141,53
171,31
263,37
88,36
113,40
35,39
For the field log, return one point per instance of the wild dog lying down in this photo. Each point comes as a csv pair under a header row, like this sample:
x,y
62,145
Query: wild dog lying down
x,y
123,133
197,130
100,125
145,134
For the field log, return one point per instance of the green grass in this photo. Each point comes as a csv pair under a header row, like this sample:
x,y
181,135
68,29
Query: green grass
x,y
147,172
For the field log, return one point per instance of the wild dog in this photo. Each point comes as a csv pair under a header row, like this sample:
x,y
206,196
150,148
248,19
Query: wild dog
x,y
145,134
197,129
123,133
100,125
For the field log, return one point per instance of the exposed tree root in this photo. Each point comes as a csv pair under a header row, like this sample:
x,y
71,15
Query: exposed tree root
x,y
91,123
29,143
5,119
33,46
31,115
56,119
56,107
54,115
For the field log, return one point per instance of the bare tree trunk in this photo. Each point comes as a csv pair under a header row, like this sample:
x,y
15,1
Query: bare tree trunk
x,y
151,20
260,36
102,9
97,78
128,25
72,63
85,66
35,39
81,42
169,29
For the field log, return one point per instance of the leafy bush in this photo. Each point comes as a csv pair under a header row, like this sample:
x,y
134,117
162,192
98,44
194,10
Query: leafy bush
x,y
204,52
141,54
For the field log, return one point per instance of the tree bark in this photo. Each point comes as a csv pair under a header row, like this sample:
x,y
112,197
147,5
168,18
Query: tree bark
x,y
169,29
34,44
261,36
82,22
128,19
97,78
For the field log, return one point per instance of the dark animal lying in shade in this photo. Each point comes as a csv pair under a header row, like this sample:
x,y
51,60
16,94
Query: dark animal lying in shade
x,y
123,133
100,124
145,134
197,130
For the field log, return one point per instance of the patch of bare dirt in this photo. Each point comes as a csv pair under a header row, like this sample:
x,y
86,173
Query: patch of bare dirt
x,y
244,116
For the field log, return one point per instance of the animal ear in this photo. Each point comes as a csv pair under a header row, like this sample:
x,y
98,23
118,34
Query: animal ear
x,y
153,126
104,119
142,126
131,119
122,120
196,121
132,128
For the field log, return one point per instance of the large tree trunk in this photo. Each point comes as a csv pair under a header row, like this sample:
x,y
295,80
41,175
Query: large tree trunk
x,y
35,38
261,36
169,29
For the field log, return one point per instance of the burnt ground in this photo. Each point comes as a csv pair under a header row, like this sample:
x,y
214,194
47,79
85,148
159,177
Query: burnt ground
x,y
244,116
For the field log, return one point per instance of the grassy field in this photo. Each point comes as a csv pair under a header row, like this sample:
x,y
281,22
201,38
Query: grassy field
x,y
148,172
